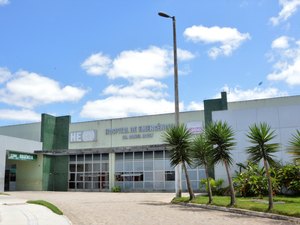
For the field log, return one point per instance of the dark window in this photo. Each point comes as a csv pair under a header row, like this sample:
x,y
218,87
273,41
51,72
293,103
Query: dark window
x,y
170,175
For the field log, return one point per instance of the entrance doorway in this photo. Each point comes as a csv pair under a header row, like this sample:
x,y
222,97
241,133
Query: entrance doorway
x,y
10,177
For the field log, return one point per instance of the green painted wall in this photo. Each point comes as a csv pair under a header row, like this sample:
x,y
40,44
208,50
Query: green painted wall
x,y
55,132
47,173
55,137
214,105
60,171
28,174
210,106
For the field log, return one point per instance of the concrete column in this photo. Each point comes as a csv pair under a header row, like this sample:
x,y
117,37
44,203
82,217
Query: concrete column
x,y
112,159
2,169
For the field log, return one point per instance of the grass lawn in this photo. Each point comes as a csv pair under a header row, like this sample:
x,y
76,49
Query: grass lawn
x,y
46,204
289,206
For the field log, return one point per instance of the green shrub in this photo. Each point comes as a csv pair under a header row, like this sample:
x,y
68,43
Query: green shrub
x,y
289,178
216,185
116,189
252,181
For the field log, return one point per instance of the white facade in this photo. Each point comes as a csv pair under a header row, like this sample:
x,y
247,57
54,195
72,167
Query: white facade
x,y
129,151
282,116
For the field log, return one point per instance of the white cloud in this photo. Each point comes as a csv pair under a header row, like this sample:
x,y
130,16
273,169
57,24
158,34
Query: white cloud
x,y
153,62
19,115
141,89
229,39
143,94
238,94
4,2
184,55
118,106
28,90
289,7
5,74
96,64
195,106
281,42
290,73
287,64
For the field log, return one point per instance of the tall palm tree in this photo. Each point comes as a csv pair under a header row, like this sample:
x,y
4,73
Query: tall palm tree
x,y
179,140
259,135
294,147
221,136
202,149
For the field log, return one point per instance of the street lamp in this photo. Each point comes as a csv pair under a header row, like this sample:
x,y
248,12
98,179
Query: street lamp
x,y
175,67
178,186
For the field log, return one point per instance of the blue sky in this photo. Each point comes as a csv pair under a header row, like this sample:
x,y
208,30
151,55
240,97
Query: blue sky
x,y
109,59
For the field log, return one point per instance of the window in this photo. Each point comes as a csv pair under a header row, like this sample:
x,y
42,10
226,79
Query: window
x,y
96,157
159,155
138,156
169,175
105,156
88,157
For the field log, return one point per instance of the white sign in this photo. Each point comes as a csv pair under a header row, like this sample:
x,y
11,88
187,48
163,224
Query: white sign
x,y
83,136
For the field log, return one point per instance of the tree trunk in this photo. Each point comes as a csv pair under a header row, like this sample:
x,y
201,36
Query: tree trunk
x,y
269,185
188,183
208,186
178,171
232,201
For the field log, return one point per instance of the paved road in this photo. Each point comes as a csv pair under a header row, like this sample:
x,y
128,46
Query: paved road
x,y
88,208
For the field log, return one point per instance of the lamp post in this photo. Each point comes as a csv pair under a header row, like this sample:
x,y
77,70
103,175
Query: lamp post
x,y
178,186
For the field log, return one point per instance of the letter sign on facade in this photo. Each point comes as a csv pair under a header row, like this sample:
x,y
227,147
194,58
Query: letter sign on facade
x,y
83,136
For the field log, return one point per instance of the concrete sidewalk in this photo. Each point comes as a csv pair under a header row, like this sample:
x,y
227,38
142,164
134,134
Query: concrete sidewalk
x,y
14,211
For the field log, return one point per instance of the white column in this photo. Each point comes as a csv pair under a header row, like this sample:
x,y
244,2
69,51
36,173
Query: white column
x,y
111,161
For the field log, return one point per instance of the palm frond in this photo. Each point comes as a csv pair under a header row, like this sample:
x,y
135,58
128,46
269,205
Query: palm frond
x,y
179,139
201,150
259,135
221,136
294,147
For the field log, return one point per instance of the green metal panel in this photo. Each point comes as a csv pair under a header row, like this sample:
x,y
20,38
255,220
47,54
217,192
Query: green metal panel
x,y
55,136
47,173
61,132
60,171
47,131
55,173
55,132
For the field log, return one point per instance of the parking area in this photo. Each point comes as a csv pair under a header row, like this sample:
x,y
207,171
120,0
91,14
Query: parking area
x,y
105,208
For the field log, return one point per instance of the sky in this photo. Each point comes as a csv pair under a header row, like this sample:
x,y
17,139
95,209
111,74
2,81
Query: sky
x,y
114,58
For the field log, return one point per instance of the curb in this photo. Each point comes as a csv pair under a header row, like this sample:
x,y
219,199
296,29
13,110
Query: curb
x,y
242,211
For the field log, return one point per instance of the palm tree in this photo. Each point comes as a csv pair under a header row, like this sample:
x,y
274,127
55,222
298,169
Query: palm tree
x,y
259,135
294,147
179,140
221,136
201,149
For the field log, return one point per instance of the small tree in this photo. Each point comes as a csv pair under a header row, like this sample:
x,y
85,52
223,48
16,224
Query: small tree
x,y
221,136
202,157
294,147
179,140
259,135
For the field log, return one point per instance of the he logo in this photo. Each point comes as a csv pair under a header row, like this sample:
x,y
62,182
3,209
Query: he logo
x,y
83,136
